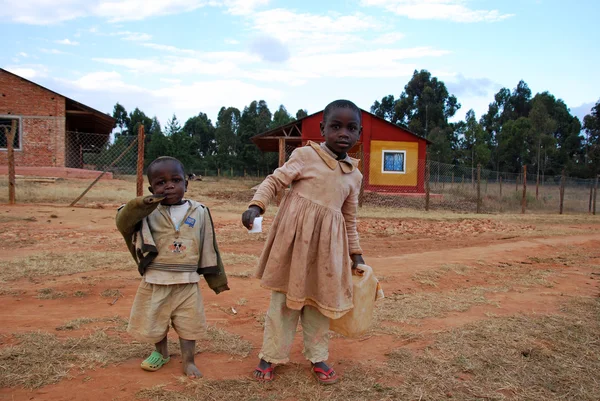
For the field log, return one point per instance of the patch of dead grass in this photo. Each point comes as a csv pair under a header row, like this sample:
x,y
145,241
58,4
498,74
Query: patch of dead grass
x,y
60,264
220,341
41,358
10,291
404,308
118,323
296,383
241,274
517,357
49,293
238,259
111,293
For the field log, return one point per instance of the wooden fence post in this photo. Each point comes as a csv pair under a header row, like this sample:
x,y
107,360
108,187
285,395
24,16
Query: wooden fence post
x,y
537,186
10,139
562,193
524,200
591,196
140,161
478,188
427,184
452,184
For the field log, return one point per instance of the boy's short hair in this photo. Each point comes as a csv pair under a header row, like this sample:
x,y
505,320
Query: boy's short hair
x,y
162,159
341,103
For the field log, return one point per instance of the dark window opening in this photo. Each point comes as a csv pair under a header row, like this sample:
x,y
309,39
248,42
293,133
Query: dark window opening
x,y
5,126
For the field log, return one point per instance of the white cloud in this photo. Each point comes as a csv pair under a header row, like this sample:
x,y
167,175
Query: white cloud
x,y
134,36
52,51
66,42
453,10
23,54
232,41
29,71
244,7
46,12
104,81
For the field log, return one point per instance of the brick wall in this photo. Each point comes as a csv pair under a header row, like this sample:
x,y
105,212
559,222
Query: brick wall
x,y
42,116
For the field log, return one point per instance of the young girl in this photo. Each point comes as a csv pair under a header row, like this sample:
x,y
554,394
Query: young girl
x,y
313,243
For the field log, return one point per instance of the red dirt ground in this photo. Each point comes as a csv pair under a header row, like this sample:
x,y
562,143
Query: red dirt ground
x,y
397,249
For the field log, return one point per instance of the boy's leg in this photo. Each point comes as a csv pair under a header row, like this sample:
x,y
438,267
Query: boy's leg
x,y
315,327
280,328
188,349
162,347
189,322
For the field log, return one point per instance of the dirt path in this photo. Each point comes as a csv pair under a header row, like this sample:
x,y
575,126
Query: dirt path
x,y
516,275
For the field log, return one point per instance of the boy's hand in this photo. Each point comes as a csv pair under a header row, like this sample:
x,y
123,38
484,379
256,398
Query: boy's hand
x,y
357,260
150,199
249,216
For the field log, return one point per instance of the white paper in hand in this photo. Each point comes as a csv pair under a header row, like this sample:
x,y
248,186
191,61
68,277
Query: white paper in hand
x,y
257,225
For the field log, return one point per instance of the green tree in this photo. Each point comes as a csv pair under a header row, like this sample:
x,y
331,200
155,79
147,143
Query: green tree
x,y
157,144
301,114
475,142
137,118
256,118
121,117
281,117
386,109
591,124
542,128
202,132
226,136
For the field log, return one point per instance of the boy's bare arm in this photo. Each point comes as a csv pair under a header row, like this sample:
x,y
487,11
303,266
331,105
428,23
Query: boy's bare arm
x,y
134,211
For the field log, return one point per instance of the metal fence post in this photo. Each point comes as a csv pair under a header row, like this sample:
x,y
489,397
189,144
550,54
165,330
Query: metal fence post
x,y
427,184
478,188
595,193
10,138
562,193
524,200
140,161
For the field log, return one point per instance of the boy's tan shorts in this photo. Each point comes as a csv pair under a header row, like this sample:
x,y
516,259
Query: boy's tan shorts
x,y
156,305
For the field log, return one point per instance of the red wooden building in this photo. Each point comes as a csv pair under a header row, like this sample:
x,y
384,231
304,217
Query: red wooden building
x,y
392,157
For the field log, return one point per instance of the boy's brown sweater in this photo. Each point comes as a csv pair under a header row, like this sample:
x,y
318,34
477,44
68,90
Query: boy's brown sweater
x,y
132,221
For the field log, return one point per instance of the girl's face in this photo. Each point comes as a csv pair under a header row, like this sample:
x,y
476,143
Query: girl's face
x,y
341,129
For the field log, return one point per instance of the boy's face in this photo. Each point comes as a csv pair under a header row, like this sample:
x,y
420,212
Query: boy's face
x,y
167,178
341,129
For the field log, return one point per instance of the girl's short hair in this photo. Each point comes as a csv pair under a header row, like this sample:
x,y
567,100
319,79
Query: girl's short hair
x,y
341,103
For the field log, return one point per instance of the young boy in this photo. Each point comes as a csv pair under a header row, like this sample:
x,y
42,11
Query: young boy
x,y
173,242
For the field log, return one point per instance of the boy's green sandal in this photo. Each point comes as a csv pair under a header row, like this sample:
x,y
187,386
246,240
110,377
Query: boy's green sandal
x,y
154,362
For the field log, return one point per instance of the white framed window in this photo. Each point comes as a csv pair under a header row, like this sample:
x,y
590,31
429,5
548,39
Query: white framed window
x,y
393,161
6,123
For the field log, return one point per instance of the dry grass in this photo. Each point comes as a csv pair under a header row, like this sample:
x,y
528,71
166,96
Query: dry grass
x,y
241,274
111,293
49,293
45,264
405,308
10,291
119,324
296,383
220,341
519,358
41,358
237,259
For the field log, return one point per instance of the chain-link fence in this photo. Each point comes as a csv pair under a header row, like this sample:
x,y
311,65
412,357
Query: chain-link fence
x,y
396,181
98,152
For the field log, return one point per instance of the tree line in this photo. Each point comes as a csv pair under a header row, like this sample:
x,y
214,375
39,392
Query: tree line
x,y
518,129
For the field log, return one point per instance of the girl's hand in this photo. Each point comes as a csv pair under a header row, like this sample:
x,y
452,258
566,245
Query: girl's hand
x,y
249,216
357,260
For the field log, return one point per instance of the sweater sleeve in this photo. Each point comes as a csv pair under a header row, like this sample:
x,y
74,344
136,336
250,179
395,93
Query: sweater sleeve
x,y
350,210
131,214
279,180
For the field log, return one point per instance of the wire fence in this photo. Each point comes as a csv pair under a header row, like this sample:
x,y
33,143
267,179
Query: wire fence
x,y
390,180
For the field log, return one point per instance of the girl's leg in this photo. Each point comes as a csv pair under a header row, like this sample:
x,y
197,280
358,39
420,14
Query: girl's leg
x,y
315,327
280,328
188,348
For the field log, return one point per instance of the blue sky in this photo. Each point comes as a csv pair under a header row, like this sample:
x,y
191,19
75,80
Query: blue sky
x,y
191,56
